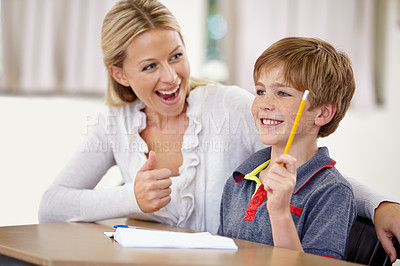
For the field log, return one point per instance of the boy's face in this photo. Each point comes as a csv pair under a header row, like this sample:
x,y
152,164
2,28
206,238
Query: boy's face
x,y
275,107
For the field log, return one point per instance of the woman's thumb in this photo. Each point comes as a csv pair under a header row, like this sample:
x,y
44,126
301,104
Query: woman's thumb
x,y
150,163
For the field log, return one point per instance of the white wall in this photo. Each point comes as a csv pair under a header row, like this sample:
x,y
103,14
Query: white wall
x,y
367,143
37,137
190,15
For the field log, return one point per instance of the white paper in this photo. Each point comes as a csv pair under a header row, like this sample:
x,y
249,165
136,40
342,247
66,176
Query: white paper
x,y
109,234
133,237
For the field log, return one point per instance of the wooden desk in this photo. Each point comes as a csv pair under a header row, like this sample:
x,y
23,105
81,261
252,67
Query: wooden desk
x,y
85,244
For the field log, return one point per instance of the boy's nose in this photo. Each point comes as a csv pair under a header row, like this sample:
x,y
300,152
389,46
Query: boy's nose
x,y
267,102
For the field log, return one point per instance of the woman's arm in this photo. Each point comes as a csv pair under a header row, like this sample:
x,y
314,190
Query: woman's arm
x,y
72,197
367,199
387,226
384,212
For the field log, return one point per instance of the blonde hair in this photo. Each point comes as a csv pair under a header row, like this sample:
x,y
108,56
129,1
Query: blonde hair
x,y
126,20
315,65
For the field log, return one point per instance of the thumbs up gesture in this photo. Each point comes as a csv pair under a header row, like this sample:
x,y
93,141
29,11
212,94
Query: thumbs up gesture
x,y
152,186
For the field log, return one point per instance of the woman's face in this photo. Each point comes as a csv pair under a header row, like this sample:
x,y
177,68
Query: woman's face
x,y
157,69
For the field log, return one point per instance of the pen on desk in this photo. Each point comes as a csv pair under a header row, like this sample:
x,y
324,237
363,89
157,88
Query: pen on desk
x,y
296,122
132,227
121,226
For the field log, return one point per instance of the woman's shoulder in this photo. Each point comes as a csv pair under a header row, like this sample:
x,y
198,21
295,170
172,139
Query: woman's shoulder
x,y
127,109
125,118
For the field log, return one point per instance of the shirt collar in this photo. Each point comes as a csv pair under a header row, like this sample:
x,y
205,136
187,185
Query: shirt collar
x,y
319,161
251,163
305,172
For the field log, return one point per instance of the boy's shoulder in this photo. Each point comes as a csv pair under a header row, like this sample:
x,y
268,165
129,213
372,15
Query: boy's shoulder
x,y
320,171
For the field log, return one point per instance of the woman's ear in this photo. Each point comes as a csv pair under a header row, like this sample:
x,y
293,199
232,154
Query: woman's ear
x,y
325,114
118,74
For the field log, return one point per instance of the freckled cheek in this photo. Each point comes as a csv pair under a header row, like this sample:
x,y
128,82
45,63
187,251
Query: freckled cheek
x,y
254,110
291,111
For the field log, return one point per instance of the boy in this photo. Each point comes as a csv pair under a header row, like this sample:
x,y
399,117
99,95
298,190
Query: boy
x,y
309,206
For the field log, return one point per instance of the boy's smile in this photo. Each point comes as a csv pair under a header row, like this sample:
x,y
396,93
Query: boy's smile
x,y
271,122
275,106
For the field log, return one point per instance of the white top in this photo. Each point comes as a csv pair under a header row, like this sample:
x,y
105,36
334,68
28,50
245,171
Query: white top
x,y
220,136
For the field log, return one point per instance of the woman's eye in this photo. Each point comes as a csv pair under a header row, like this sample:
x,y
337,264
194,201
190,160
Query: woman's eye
x,y
149,67
260,92
283,94
176,56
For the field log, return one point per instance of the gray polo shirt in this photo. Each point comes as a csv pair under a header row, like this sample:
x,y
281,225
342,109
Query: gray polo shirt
x,y
322,205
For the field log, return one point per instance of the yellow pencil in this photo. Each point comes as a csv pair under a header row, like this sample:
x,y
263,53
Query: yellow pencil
x,y
296,122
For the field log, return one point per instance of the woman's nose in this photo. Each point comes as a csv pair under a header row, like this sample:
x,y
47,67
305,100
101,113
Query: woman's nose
x,y
168,74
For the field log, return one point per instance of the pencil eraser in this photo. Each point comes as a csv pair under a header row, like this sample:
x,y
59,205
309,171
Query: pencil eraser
x,y
305,95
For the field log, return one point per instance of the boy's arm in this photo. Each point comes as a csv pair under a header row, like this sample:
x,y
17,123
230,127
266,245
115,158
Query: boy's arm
x,y
279,181
284,232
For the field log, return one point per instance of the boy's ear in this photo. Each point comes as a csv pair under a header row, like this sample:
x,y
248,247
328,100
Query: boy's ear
x,y
118,74
325,114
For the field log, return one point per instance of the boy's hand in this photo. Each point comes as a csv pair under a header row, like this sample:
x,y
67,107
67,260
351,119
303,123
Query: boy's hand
x,y
279,181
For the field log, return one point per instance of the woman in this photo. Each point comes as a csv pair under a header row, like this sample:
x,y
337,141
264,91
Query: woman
x,y
174,138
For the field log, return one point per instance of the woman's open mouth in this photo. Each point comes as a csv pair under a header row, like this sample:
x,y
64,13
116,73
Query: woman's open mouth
x,y
170,95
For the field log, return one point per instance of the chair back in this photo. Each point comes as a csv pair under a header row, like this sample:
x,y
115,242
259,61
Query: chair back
x,y
363,245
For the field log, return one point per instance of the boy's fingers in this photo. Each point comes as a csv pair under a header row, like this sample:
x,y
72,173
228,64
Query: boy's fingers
x,y
274,179
288,161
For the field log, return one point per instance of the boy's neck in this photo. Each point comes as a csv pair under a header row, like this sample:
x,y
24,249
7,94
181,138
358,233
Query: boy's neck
x,y
302,151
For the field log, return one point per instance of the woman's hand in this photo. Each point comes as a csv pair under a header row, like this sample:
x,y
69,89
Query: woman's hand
x,y
152,186
279,182
387,225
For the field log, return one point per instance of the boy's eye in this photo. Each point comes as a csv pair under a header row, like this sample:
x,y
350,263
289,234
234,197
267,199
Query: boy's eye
x,y
283,94
149,67
176,56
260,92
